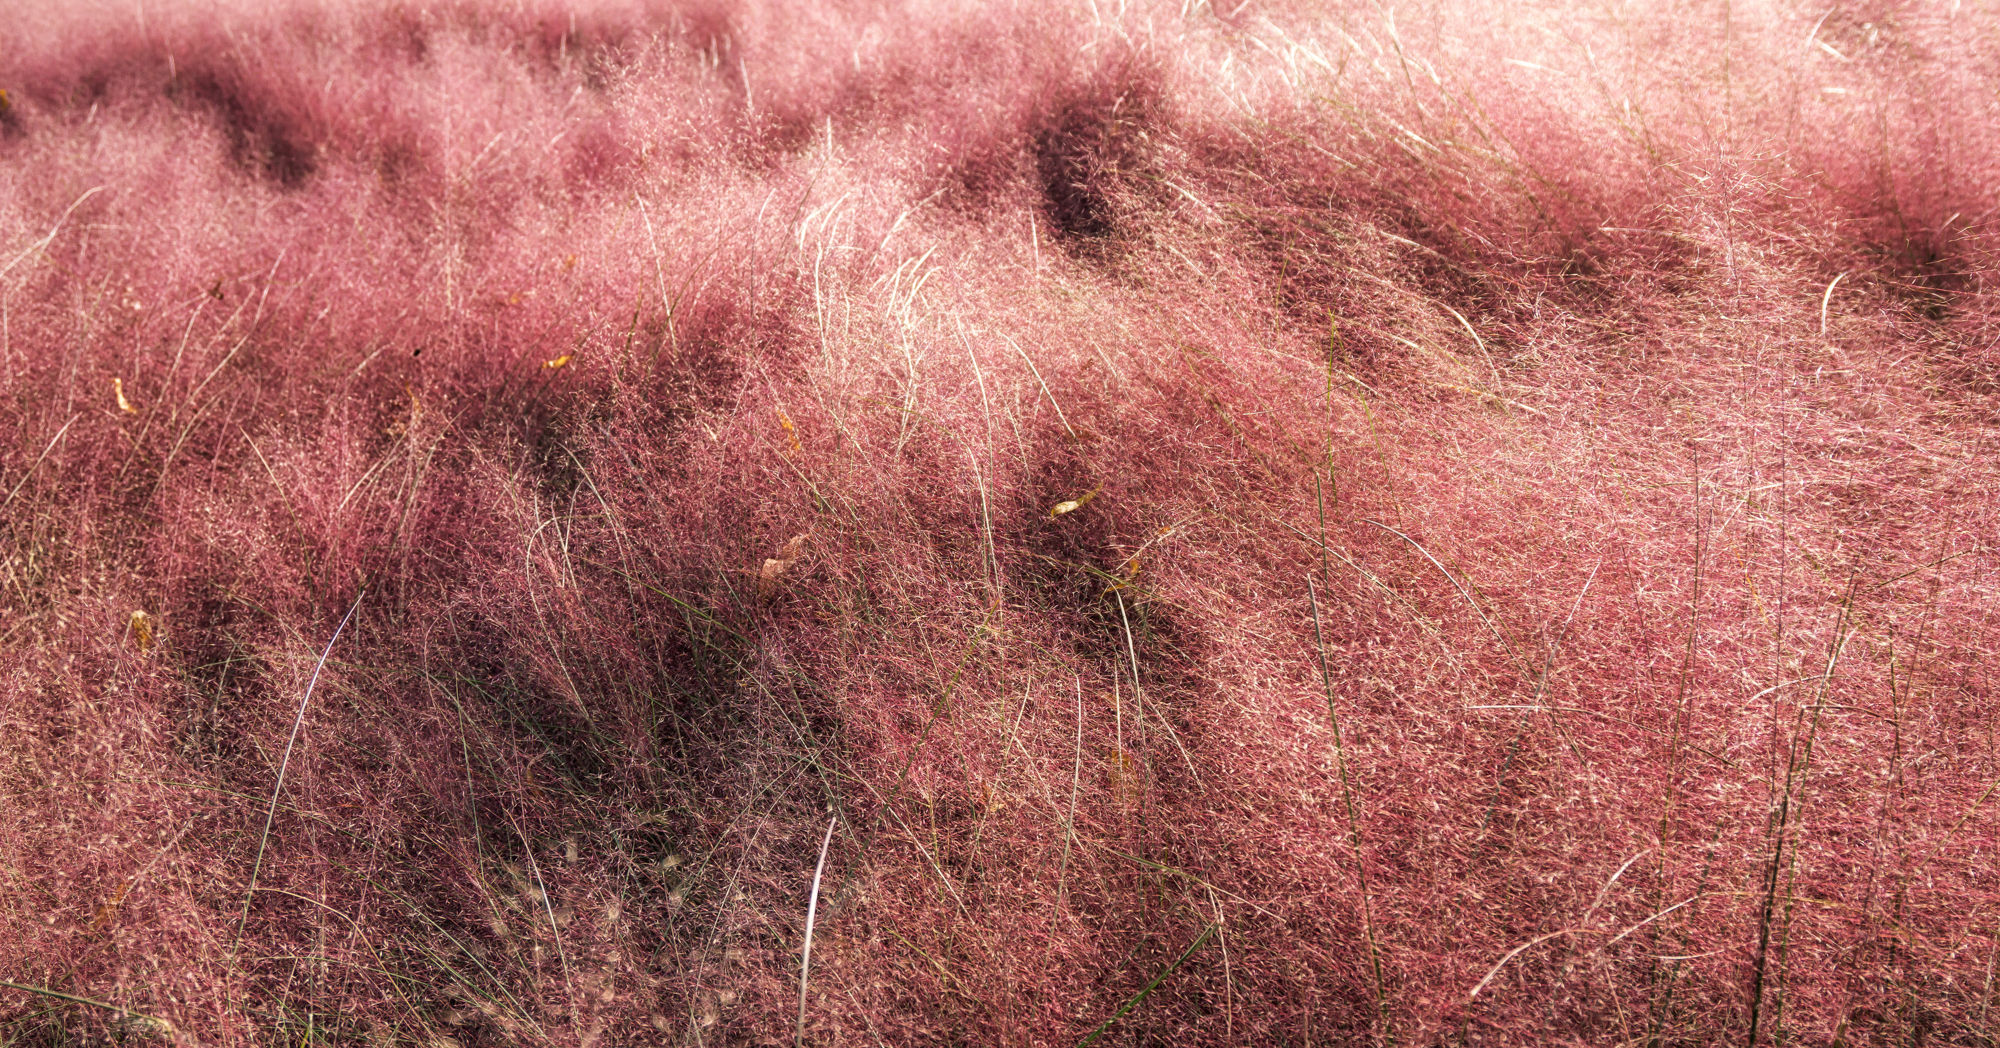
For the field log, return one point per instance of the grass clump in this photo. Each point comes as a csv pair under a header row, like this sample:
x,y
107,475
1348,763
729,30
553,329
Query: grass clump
x,y
996,524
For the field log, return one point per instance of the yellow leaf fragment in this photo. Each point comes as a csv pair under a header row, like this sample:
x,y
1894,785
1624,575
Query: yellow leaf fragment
x,y
791,432
1076,503
560,361
1124,775
141,626
118,387
110,907
401,427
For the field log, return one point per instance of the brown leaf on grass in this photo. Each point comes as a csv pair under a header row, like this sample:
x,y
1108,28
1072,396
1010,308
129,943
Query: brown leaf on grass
x,y
109,909
141,625
1074,504
791,432
118,387
767,576
1127,576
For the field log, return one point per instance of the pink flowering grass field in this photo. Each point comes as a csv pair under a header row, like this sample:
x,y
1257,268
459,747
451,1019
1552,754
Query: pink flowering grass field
x,y
906,522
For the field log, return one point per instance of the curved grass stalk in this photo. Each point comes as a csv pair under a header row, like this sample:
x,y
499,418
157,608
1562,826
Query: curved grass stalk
x,y
264,838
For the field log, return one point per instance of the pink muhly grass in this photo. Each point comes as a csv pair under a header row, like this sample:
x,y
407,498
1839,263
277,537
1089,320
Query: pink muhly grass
x,y
1283,524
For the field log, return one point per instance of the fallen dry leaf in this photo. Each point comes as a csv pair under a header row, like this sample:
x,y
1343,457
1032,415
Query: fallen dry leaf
x,y
1076,503
109,909
118,387
791,432
767,576
141,625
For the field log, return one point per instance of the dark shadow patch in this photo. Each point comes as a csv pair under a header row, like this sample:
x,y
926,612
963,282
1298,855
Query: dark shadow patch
x,y
599,158
1927,270
1087,141
11,125
404,164
222,676
272,128
404,35
1087,571
699,356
